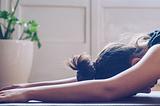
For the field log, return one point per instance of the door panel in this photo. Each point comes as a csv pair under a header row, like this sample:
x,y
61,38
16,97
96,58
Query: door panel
x,y
64,31
116,17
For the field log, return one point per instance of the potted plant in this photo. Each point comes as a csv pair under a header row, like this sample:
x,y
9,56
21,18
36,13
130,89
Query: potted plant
x,y
16,54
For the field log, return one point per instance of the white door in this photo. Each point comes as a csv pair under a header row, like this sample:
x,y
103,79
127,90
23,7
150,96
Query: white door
x,y
64,31
110,18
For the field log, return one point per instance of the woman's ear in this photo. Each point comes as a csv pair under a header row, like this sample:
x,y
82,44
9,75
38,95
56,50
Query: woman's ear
x,y
135,60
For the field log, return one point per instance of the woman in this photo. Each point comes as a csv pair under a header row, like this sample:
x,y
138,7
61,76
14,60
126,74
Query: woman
x,y
140,76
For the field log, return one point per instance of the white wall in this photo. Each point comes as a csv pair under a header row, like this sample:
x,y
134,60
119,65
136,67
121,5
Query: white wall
x,y
111,18
5,5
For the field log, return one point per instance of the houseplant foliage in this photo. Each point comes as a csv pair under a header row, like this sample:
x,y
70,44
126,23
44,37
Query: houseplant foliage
x,y
30,29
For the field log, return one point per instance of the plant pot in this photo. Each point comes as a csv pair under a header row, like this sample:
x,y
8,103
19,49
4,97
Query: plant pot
x,y
15,61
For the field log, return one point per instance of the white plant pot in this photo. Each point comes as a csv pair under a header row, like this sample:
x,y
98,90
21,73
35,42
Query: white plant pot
x,y
15,61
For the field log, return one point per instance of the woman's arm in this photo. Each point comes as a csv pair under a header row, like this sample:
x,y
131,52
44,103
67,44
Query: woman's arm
x,y
43,83
141,75
46,83
84,91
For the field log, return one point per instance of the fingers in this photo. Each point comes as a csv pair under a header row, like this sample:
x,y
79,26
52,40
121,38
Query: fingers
x,y
8,87
4,88
2,96
2,100
12,96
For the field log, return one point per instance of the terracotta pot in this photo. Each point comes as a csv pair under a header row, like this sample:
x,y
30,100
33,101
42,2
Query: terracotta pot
x,y
15,61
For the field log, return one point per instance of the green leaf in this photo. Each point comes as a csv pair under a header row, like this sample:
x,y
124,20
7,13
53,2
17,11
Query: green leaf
x,y
6,35
22,22
13,21
35,38
4,14
27,32
9,30
1,33
33,29
29,23
34,23
39,44
12,30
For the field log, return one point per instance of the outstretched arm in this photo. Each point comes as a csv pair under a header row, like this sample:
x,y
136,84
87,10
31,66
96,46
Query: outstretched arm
x,y
141,75
43,83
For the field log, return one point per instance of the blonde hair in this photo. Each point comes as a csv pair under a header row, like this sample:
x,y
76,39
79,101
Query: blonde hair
x,y
139,41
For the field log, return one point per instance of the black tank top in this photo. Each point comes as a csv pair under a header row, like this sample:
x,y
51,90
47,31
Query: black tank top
x,y
155,38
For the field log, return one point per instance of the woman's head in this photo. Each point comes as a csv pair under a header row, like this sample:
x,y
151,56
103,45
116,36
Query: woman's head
x,y
113,59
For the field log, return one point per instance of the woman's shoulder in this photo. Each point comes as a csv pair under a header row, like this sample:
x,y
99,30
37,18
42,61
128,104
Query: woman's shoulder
x,y
152,57
154,49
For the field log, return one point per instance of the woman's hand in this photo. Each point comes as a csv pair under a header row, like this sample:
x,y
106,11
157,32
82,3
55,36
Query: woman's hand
x,y
14,95
14,86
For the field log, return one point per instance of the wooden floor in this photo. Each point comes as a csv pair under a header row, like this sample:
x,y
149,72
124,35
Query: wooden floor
x,y
156,87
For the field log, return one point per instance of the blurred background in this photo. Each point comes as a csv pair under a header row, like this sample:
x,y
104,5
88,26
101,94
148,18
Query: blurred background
x,y
70,27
